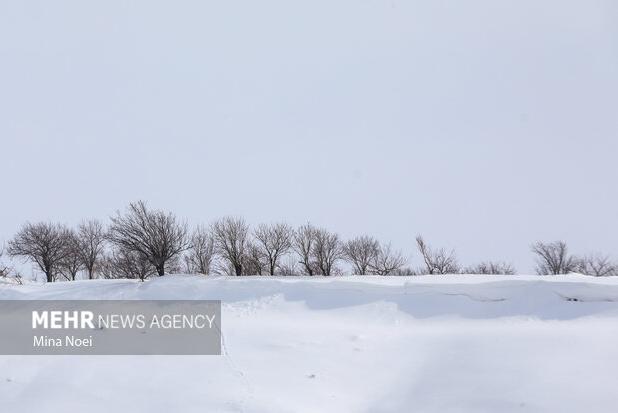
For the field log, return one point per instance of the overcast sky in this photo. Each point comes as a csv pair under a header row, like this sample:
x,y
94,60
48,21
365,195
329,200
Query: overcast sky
x,y
484,125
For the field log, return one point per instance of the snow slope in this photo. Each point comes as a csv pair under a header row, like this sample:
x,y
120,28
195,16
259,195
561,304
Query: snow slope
x,y
348,344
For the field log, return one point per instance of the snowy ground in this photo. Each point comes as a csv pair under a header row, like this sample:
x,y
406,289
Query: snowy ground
x,y
348,344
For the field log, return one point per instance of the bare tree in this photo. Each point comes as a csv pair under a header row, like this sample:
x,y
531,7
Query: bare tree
x,y
123,263
91,243
274,240
304,240
42,243
156,235
597,265
490,267
71,264
255,261
438,261
326,251
231,241
553,258
201,251
361,252
386,261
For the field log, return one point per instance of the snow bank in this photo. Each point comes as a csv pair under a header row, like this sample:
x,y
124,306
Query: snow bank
x,y
348,344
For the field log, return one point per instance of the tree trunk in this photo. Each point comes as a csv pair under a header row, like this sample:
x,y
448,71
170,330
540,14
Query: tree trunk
x,y
307,267
49,273
161,270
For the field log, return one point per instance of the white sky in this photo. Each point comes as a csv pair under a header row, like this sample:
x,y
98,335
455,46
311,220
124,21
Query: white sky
x,y
484,125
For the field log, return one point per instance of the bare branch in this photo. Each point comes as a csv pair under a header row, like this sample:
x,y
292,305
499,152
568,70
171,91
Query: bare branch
x,y
42,243
596,265
201,251
361,252
439,261
123,263
91,243
304,240
288,267
71,264
387,261
255,260
553,258
274,241
490,267
156,235
231,241
5,270
326,251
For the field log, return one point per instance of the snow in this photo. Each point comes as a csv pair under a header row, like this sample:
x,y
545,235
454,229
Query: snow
x,y
462,343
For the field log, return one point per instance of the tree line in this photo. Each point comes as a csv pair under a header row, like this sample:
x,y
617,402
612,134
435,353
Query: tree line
x,y
141,242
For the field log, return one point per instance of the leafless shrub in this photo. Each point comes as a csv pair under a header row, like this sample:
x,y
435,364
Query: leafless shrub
x,y
490,267
405,271
9,272
386,261
231,241
255,260
156,235
42,243
553,258
438,261
287,267
5,270
326,251
91,245
201,252
304,240
596,265
361,252
123,263
274,241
